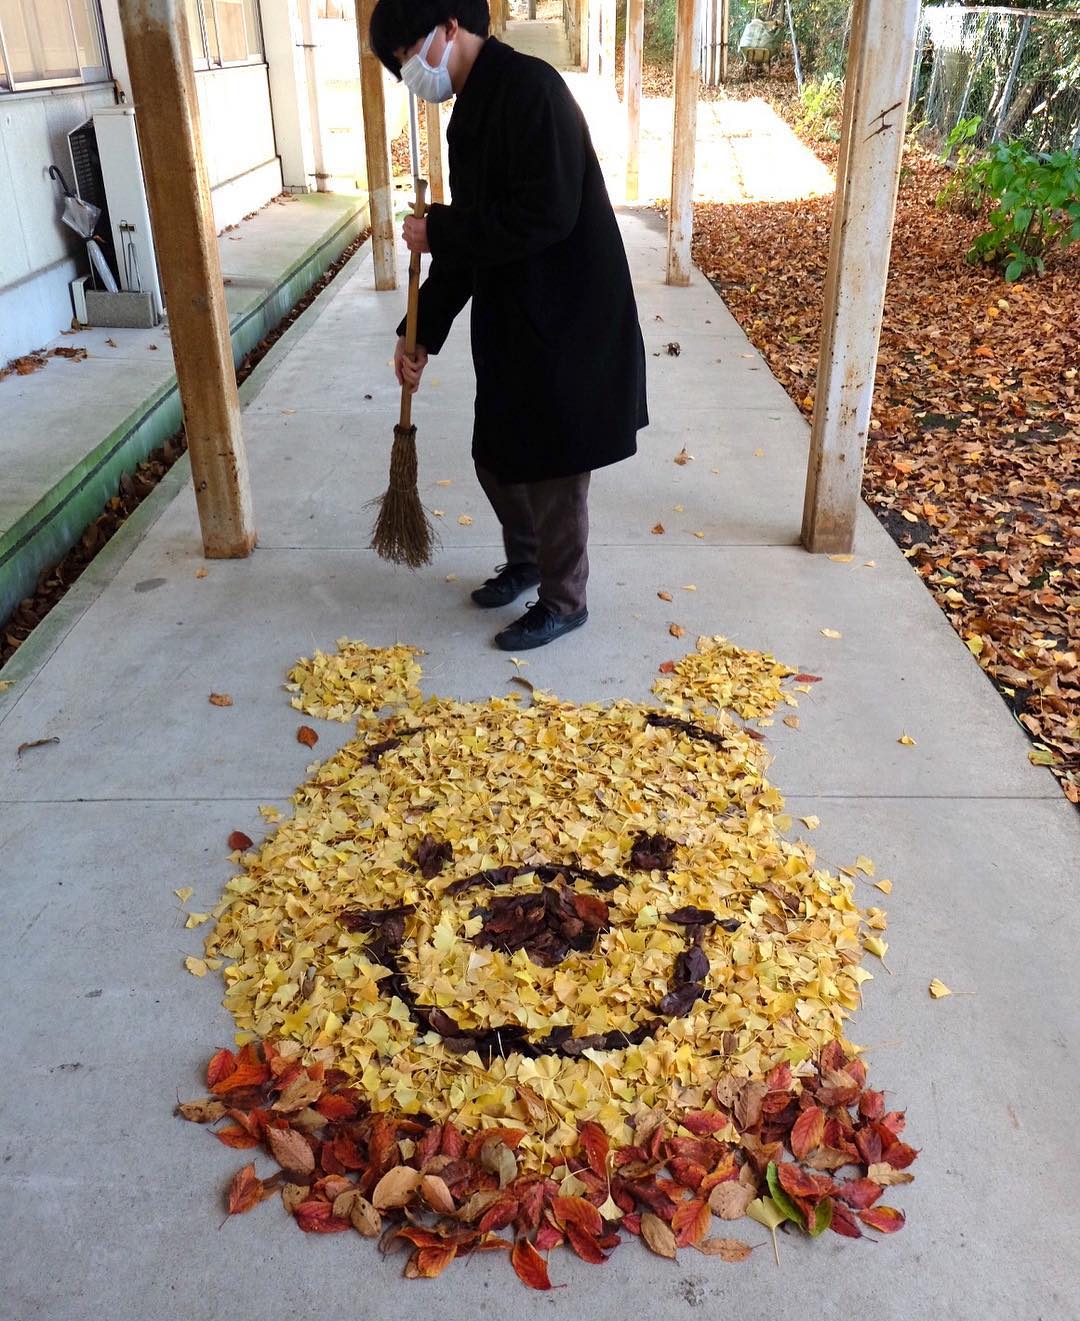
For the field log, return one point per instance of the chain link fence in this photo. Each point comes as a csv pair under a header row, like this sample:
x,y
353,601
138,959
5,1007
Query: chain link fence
x,y
1016,71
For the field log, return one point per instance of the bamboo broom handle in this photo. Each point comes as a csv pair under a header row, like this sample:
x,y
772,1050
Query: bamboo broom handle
x,y
419,210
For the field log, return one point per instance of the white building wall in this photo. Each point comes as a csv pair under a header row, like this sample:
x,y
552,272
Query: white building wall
x,y
39,255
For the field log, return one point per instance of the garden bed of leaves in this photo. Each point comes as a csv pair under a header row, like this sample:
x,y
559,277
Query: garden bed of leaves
x,y
973,463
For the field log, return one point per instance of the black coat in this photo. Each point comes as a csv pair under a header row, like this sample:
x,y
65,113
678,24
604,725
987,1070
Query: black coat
x,y
531,237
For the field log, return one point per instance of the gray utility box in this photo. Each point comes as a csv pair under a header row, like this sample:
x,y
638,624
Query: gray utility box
x,y
133,311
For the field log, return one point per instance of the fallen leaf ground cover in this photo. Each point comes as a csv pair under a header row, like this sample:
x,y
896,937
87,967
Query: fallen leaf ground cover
x,y
973,463
555,969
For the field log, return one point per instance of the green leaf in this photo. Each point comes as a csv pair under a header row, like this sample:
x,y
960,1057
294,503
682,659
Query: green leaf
x,y
822,1217
1015,269
782,1200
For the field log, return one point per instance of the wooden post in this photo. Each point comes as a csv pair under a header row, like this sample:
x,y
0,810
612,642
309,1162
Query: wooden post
x,y
436,172
377,152
687,84
881,55
725,38
166,105
582,50
607,43
532,9
594,37
635,39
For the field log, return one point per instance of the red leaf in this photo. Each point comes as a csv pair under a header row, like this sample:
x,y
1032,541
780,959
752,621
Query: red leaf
x,y
885,1219
667,667
577,1211
585,1245
703,1123
691,1223
318,1218
895,1121
244,1075
631,1223
872,1105
899,1155
347,1153
431,1262
307,736
333,1107
843,1222
594,1142
808,1132
452,1143
869,1145
797,1183
530,1207
778,1079
702,1151
530,1266
237,1137
238,840
498,1215
807,678
245,1191
856,1069
223,1063
548,1237
687,1172
860,1193
833,1056
510,1137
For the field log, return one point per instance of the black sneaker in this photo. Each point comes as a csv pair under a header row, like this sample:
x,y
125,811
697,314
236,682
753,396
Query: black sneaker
x,y
538,626
509,582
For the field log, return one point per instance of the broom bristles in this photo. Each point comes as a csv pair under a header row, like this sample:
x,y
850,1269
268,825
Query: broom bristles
x,y
403,532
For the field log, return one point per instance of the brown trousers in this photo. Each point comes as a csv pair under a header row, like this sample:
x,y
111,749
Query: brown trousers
x,y
546,524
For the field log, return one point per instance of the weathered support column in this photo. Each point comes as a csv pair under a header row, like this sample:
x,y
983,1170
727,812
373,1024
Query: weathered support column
x,y
687,84
881,55
635,40
607,43
167,110
377,152
436,168
725,38
582,48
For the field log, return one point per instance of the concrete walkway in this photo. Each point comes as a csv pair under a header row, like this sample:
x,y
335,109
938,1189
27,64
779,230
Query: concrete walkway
x,y
113,1205
68,430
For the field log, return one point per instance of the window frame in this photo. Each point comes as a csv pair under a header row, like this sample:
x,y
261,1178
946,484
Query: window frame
x,y
208,15
88,76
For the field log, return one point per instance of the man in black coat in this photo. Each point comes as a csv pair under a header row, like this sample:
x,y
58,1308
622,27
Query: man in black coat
x,y
530,236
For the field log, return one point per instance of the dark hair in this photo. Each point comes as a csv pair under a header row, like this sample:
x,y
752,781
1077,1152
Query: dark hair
x,y
399,24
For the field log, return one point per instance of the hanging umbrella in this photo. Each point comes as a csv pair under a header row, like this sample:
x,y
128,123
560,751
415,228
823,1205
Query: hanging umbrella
x,y
82,217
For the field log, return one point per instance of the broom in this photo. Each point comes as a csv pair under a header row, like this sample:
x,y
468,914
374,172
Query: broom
x,y
403,532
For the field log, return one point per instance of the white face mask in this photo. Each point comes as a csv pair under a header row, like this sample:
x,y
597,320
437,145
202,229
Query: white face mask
x,y
429,84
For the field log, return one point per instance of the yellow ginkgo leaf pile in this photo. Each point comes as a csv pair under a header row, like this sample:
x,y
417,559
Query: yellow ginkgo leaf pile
x,y
355,679
723,676
551,783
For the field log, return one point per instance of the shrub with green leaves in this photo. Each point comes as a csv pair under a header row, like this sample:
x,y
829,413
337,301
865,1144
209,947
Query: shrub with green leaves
x,y
822,100
1034,202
